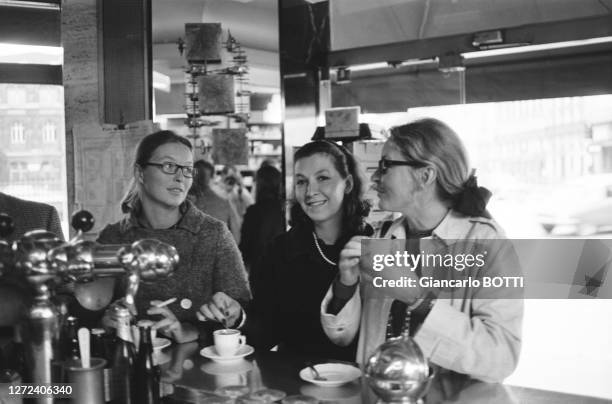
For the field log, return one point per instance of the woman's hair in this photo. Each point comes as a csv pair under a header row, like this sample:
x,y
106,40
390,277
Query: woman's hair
x,y
144,151
199,176
434,143
268,184
354,207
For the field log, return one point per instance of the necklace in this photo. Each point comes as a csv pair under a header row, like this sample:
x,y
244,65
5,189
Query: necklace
x,y
314,235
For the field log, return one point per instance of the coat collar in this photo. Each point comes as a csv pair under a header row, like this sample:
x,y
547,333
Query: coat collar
x,y
190,221
454,226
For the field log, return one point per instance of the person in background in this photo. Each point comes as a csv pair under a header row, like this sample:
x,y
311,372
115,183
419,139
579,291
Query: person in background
x,y
211,203
27,216
210,282
264,220
235,190
424,174
296,269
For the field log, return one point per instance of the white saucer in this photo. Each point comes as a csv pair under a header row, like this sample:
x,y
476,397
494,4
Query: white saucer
x,y
211,353
336,374
161,343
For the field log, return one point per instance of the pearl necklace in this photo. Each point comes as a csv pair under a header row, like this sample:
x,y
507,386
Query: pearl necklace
x,y
314,235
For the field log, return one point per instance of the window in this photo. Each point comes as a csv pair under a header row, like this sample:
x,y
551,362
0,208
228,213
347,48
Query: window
x,y
49,135
17,135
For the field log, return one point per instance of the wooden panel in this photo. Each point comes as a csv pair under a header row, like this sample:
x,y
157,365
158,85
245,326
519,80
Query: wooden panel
x,y
29,26
30,74
127,67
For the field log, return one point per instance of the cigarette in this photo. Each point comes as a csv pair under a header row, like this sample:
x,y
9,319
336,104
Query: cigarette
x,y
165,302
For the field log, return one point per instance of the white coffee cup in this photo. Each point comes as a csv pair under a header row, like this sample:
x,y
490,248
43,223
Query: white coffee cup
x,y
228,341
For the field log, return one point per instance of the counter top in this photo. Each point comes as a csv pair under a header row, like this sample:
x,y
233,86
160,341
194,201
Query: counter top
x,y
190,378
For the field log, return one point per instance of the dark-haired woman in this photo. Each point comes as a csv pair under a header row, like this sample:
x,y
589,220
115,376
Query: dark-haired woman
x,y
298,267
424,174
263,220
210,281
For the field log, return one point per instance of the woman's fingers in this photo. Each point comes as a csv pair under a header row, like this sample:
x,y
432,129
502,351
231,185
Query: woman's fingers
x,y
164,323
211,312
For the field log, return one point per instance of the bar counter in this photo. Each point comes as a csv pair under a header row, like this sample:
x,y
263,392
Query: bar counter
x,y
187,377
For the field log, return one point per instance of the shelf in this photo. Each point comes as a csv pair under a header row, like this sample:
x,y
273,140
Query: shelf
x,y
263,124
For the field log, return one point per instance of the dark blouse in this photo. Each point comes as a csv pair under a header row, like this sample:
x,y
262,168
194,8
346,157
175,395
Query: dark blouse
x,y
288,285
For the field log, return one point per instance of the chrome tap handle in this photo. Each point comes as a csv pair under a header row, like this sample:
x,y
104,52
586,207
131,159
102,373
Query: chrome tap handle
x,y
30,256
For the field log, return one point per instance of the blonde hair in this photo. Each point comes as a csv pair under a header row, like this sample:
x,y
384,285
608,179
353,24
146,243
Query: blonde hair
x,y
434,143
145,149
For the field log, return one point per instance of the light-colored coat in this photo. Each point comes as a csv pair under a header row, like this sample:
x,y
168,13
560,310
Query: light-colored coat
x,y
474,331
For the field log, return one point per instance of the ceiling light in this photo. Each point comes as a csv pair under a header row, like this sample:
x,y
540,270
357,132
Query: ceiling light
x,y
45,5
517,48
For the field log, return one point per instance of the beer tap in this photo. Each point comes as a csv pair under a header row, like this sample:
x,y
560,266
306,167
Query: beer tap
x,y
45,261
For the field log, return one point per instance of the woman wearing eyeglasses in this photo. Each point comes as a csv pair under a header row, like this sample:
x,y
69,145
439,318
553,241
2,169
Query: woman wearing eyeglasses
x,y
424,174
296,269
210,281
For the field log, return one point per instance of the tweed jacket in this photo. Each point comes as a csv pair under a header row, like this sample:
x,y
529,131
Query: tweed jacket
x,y
472,331
29,215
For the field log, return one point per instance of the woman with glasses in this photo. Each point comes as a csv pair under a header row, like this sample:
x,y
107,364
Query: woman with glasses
x,y
424,174
296,269
210,281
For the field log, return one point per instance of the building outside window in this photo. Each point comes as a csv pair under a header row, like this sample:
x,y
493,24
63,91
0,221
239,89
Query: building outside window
x,y
49,133
17,133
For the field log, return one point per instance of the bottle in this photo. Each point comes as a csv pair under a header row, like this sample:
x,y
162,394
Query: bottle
x,y
122,361
15,354
99,349
146,374
70,341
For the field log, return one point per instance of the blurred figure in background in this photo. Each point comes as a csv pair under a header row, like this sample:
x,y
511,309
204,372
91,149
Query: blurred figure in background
x,y
263,220
211,203
235,190
29,215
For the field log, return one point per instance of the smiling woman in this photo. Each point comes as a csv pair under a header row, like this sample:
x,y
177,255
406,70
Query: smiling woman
x,y
210,274
296,269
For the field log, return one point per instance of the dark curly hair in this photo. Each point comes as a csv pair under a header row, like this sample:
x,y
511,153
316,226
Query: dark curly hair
x,y
355,207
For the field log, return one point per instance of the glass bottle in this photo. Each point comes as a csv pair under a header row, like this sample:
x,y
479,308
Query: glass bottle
x,y
146,374
123,360
99,349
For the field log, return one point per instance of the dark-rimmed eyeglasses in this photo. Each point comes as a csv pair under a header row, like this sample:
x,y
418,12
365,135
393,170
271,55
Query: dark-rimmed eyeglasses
x,y
385,164
172,168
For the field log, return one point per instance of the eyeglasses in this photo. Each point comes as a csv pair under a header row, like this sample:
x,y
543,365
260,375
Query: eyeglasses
x,y
172,168
385,164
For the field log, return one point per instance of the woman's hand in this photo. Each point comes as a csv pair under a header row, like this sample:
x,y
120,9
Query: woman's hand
x,y
348,265
221,308
170,326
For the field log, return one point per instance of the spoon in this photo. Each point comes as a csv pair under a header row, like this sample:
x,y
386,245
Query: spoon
x,y
315,372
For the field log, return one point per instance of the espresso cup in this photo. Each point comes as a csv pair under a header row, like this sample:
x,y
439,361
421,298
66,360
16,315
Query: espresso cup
x,y
228,341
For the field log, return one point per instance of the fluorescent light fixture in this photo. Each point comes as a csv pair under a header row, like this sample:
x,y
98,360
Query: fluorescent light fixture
x,y
387,65
31,54
52,5
535,48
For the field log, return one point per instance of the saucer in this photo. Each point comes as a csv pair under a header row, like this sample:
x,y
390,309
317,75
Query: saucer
x,y
160,343
336,374
211,353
